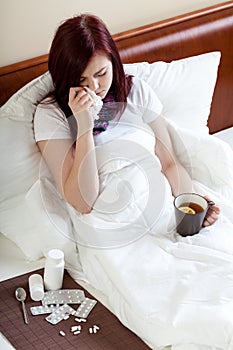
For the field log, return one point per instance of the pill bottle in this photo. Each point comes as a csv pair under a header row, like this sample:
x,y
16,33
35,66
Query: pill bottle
x,y
36,287
54,269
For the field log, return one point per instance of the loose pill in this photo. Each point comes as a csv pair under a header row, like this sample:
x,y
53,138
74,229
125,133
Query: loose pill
x,y
62,333
80,319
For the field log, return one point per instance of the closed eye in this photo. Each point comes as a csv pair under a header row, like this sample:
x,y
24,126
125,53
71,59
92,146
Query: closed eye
x,y
82,80
101,74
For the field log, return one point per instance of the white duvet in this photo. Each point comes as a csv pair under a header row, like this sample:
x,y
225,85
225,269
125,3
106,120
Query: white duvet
x,y
169,290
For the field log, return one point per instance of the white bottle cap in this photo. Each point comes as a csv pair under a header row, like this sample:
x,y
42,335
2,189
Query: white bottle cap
x,y
36,287
56,255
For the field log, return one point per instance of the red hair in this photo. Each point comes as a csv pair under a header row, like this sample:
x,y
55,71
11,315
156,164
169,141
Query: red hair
x,y
74,43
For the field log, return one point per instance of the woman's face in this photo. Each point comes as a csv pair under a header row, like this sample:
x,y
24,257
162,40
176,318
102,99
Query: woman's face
x,y
98,74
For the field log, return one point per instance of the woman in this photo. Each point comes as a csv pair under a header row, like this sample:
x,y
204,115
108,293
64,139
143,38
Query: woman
x,y
83,54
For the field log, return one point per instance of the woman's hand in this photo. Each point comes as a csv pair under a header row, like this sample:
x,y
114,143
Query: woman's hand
x,y
212,214
79,102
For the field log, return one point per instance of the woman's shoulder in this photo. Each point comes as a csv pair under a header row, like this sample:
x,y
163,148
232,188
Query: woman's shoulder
x,y
138,82
140,89
47,103
49,108
50,122
143,95
140,85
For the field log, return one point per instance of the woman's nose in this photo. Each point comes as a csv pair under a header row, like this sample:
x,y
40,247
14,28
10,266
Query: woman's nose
x,y
93,84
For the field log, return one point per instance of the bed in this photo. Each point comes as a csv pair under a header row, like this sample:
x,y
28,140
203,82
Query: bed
x,y
180,294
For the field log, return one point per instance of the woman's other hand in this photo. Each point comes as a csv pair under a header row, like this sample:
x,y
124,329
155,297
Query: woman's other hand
x,y
212,214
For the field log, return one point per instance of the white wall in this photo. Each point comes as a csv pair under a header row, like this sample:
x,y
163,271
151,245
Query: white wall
x,y
27,26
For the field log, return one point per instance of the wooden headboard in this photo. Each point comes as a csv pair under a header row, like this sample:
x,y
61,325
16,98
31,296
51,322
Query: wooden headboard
x,y
209,29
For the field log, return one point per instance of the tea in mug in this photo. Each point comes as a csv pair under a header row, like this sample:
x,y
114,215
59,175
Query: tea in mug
x,y
190,208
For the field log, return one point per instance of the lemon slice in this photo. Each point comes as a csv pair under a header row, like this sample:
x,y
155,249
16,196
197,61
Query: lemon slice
x,y
187,210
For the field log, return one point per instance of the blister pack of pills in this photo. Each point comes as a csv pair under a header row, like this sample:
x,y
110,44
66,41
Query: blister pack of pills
x,y
62,313
63,296
85,308
41,310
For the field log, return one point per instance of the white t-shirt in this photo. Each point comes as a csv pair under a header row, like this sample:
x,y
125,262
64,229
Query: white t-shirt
x,y
143,106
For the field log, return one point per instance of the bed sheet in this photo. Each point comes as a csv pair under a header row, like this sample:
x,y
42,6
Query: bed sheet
x,y
13,263
170,290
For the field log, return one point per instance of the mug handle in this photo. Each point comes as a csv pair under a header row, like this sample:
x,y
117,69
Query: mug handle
x,y
210,203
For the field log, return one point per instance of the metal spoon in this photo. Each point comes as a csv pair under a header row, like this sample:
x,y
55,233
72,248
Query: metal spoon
x,y
21,295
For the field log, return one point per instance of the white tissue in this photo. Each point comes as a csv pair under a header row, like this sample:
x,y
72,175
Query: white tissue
x,y
98,103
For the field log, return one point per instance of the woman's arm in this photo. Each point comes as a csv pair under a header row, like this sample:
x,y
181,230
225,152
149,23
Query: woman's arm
x,y
176,174
74,167
178,177
74,170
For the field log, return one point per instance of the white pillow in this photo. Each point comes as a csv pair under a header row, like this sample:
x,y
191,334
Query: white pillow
x,y
24,216
185,88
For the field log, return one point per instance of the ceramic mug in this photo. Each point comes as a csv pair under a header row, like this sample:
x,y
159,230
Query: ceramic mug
x,y
190,212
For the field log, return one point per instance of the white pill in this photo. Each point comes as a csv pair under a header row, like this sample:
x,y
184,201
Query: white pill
x,y
62,333
76,332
